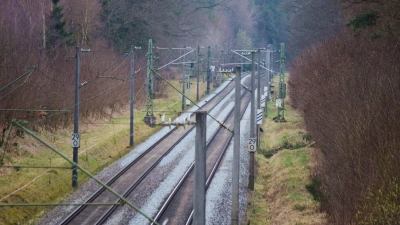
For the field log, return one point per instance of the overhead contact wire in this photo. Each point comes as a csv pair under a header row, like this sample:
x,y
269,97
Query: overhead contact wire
x,y
102,72
220,123
27,73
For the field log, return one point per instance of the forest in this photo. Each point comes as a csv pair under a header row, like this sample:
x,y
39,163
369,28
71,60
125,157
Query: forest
x,y
39,38
343,59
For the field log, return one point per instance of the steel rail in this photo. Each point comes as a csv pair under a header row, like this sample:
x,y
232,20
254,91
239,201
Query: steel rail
x,y
99,191
141,178
128,192
169,199
214,170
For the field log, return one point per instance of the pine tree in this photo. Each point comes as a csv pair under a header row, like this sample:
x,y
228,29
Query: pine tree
x,y
57,34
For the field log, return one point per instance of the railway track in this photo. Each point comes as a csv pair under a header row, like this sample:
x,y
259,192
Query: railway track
x,y
126,181
178,206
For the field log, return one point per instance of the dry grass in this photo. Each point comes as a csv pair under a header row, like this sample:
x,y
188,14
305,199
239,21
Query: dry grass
x,y
103,141
283,171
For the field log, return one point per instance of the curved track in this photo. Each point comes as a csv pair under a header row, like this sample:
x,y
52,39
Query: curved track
x,y
131,176
178,206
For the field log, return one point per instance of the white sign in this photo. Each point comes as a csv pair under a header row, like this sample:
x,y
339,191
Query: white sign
x,y
212,68
251,146
265,89
76,141
278,103
263,101
259,116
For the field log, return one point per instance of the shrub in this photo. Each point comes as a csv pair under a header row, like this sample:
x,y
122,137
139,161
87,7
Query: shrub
x,y
348,90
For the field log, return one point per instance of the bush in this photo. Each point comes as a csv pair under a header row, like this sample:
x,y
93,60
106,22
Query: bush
x,y
348,90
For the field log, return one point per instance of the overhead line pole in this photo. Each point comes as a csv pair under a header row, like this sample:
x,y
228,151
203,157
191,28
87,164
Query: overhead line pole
x,y
236,151
252,125
150,119
273,62
198,73
282,87
208,70
76,121
183,85
259,80
268,91
132,103
199,199
258,93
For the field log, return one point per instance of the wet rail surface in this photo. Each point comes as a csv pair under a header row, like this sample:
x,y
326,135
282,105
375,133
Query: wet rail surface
x,y
130,177
178,206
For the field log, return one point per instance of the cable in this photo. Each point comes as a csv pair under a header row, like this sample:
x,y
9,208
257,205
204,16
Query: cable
x,y
220,123
102,72
83,101
52,79
66,173
114,77
27,73
176,59
88,99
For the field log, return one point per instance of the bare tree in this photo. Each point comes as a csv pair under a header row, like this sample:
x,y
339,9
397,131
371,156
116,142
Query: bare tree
x,y
83,18
313,21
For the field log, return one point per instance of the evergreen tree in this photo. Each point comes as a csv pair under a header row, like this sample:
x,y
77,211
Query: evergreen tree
x,y
57,34
271,21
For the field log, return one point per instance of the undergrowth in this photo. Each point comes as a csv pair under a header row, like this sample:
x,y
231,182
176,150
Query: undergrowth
x,y
283,173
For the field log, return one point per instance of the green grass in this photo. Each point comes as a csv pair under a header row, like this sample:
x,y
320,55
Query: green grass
x,y
103,141
283,164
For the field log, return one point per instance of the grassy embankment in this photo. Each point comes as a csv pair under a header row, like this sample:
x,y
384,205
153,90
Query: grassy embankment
x,y
102,143
283,173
